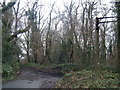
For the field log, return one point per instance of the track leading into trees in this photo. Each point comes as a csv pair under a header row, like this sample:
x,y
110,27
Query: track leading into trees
x,y
32,78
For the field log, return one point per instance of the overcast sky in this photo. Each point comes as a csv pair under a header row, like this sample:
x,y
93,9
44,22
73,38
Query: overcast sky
x,y
59,2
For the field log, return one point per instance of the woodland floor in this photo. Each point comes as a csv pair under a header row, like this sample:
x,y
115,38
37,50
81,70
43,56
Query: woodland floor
x,y
63,76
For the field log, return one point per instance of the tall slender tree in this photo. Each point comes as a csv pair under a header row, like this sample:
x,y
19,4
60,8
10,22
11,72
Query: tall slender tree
x,y
117,4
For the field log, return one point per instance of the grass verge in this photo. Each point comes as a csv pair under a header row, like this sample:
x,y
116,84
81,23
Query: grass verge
x,y
89,79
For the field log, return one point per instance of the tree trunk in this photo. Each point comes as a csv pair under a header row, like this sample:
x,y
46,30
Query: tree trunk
x,y
97,44
118,34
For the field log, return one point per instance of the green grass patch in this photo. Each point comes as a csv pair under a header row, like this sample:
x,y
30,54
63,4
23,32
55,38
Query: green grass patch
x,y
34,65
65,68
37,66
54,68
89,79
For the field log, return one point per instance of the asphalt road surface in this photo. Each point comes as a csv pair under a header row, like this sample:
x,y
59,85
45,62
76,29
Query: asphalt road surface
x,y
30,78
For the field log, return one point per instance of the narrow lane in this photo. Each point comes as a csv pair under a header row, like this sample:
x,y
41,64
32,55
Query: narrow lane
x,y
29,78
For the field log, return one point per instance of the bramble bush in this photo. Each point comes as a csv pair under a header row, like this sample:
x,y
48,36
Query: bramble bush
x,y
9,70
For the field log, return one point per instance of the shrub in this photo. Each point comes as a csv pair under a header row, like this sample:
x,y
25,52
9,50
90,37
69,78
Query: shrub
x,y
7,70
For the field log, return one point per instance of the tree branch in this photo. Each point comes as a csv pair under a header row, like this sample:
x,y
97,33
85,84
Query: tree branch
x,y
18,32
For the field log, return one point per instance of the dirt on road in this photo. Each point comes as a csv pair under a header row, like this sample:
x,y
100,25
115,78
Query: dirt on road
x,y
32,78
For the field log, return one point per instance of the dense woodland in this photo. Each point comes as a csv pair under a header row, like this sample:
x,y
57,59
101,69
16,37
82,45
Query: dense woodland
x,y
85,33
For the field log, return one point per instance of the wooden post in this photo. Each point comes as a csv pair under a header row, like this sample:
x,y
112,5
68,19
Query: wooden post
x,y
97,58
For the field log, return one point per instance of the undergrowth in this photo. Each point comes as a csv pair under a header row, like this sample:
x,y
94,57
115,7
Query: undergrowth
x,y
89,79
9,70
